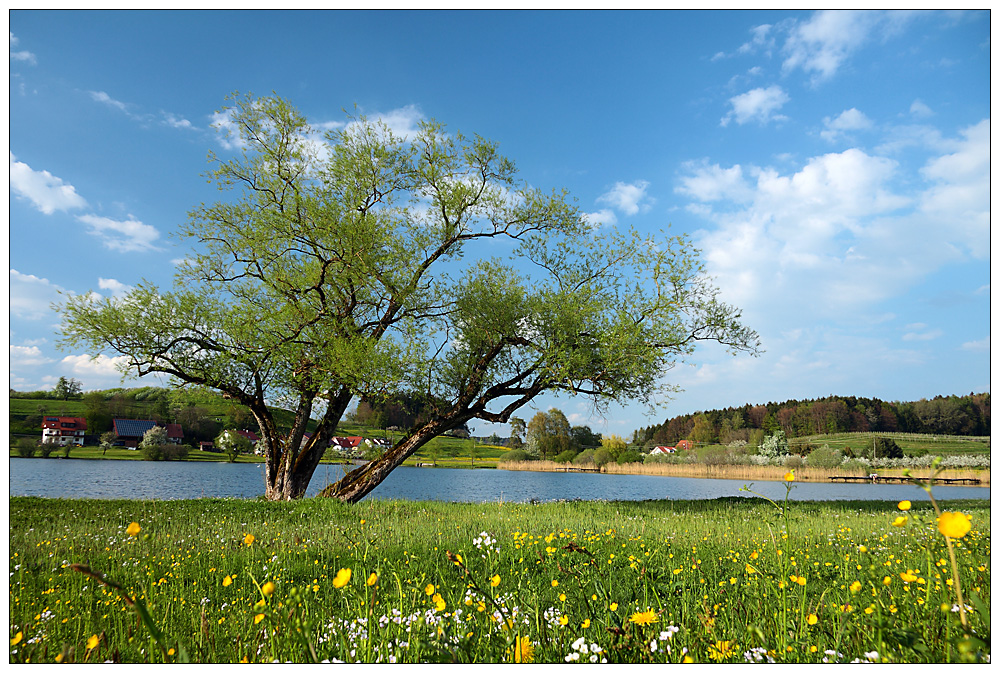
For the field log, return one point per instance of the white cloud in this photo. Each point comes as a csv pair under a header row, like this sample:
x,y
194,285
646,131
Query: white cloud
x,y
118,289
757,105
130,235
602,218
30,296
47,192
27,356
920,109
846,121
628,198
176,122
919,332
104,98
25,56
762,40
101,365
712,182
981,346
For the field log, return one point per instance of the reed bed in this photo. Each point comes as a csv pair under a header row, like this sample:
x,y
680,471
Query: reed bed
x,y
738,472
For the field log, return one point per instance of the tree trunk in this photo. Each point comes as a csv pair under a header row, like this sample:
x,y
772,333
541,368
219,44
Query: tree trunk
x,y
361,481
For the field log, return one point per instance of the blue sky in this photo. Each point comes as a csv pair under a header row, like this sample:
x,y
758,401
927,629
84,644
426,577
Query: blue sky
x,y
832,167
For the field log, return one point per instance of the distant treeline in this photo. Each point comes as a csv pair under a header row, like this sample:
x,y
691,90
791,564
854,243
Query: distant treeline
x,y
952,415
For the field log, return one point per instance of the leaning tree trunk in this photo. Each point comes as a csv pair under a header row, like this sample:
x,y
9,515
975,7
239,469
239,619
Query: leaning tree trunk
x,y
361,481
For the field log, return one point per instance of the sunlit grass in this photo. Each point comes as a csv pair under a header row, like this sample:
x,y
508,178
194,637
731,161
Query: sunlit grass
x,y
707,581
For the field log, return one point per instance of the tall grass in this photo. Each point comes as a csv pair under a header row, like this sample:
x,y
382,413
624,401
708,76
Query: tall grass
x,y
670,581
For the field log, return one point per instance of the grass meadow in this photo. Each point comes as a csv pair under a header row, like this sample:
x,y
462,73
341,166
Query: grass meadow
x,y
729,580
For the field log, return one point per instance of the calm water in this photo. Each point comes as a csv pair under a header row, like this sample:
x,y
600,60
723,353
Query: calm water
x,y
109,479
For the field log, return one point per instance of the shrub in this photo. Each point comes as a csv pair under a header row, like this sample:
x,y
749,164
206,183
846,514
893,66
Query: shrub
x,y
47,448
794,461
174,451
566,456
66,449
152,451
602,457
825,457
629,456
26,447
515,456
584,457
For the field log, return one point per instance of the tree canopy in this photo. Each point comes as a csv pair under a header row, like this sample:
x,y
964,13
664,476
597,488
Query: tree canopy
x,y
359,263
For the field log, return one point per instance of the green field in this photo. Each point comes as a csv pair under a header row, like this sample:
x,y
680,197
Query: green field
x,y
935,445
668,581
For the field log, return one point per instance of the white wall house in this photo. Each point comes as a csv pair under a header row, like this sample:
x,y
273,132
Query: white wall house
x,y
63,430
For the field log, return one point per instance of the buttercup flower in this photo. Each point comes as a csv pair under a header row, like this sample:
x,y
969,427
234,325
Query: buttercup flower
x,y
908,576
248,539
133,529
267,589
429,589
790,475
16,639
904,505
954,524
495,580
342,578
812,619
372,579
900,521
93,641
227,580
258,619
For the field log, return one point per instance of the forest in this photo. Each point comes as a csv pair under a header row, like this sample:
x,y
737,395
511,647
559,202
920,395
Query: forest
x,y
943,415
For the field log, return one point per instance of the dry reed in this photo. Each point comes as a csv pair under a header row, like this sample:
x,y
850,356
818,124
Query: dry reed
x,y
741,472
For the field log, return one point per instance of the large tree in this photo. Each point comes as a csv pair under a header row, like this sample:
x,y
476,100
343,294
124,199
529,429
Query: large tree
x,y
358,263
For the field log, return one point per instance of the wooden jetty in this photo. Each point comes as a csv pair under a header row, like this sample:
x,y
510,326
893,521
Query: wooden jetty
x,y
878,479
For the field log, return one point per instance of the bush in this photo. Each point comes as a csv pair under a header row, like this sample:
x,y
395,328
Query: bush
x,y
794,462
515,456
152,451
47,448
174,451
584,457
66,449
825,457
602,457
26,447
629,456
566,456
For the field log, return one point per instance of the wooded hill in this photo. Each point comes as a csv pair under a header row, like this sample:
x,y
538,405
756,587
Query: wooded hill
x,y
951,415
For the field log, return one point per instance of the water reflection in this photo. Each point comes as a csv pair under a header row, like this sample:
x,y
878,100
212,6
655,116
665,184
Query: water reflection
x,y
110,479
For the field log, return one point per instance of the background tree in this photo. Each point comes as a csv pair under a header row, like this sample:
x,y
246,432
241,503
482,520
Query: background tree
x,y
152,443
548,434
614,445
337,271
582,437
517,432
67,388
233,444
107,441
96,412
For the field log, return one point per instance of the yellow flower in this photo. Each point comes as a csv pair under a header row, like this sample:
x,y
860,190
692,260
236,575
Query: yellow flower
x,y
855,587
261,603
954,524
904,505
429,589
458,559
372,579
812,619
644,618
16,639
555,583
563,620
789,476
585,624
721,650
750,569
170,652
887,580
93,641
60,657
258,619
862,549
342,578
439,603
248,539
524,651
133,529
908,576
688,659
227,580
613,607
267,589
900,521
495,580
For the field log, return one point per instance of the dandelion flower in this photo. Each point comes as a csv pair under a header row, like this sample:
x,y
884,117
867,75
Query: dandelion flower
x,y
954,524
524,651
644,618
248,539
342,577
900,521
904,505
495,580
372,579
133,529
267,589
93,641
721,650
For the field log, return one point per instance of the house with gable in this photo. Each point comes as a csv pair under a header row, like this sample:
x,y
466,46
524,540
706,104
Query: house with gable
x,y
661,450
63,430
130,432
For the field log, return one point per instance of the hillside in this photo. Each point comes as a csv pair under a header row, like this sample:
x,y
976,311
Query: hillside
x,y
967,415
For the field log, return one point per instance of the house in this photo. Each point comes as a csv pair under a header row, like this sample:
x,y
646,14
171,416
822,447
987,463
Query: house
x,y
346,443
252,436
130,432
660,450
207,446
63,430
685,445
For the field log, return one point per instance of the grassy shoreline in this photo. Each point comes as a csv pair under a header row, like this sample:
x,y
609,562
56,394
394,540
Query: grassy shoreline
x,y
234,580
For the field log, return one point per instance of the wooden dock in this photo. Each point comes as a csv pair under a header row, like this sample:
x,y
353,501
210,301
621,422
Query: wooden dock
x,y
877,479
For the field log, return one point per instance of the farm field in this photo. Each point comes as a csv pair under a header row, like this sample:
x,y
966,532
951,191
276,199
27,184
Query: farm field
x,y
726,580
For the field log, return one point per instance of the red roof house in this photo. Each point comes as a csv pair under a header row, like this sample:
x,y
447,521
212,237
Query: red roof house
x,y
63,430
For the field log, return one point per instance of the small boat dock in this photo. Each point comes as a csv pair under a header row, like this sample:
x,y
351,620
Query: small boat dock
x,y
877,479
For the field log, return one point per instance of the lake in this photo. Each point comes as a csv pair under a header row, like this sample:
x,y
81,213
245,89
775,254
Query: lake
x,y
141,480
